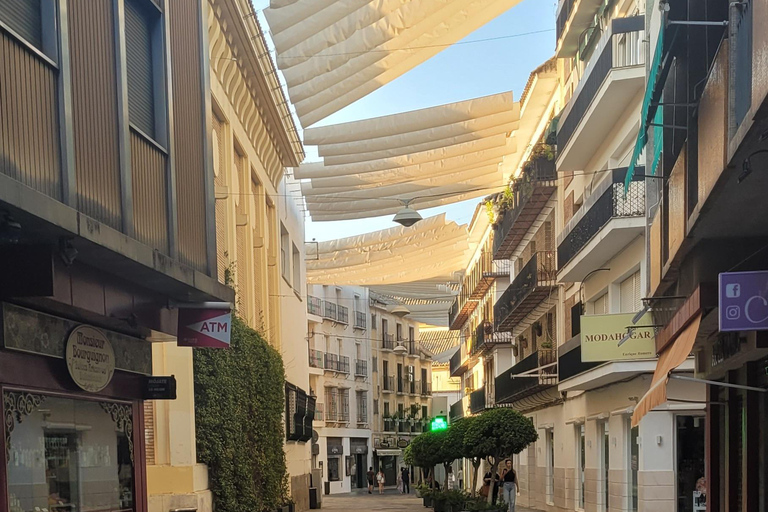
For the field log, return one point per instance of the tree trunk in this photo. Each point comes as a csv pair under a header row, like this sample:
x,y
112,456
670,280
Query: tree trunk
x,y
475,469
446,466
494,469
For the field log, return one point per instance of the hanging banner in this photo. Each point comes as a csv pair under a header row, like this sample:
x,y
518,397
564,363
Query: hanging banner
x,y
205,325
600,336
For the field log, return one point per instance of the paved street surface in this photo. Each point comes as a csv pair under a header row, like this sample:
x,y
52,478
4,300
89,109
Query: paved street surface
x,y
391,500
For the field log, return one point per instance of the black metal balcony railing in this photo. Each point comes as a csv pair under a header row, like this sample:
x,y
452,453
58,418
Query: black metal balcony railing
x,y
614,55
388,383
457,360
476,283
403,426
342,314
532,285
389,425
314,306
401,385
413,387
413,349
337,363
360,320
426,388
530,193
316,359
361,368
453,313
477,401
329,310
388,342
457,410
485,337
562,17
509,389
612,204
569,364
343,364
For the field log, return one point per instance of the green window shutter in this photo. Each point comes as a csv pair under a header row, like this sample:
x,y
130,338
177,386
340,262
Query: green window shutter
x,y
138,49
25,18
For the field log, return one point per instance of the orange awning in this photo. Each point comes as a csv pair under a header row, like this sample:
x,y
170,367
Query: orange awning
x,y
670,359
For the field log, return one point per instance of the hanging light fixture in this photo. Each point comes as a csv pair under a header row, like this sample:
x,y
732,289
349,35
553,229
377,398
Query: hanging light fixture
x,y
400,311
407,216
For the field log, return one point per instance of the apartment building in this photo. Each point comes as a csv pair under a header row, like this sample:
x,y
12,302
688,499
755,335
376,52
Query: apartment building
x,y
341,377
403,383
704,120
106,226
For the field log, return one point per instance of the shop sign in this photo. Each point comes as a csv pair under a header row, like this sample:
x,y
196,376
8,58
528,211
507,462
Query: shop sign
x,y
743,301
90,358
205,327
601,334
160,388
402,443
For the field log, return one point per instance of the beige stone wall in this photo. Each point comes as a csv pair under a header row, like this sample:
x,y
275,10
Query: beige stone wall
x,y
656,491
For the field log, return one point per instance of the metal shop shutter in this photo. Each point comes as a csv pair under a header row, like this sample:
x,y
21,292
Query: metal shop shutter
x,y
25,18
138,48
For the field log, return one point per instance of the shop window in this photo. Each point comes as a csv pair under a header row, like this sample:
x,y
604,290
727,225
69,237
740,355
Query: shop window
x,y
144,80
65,454
333,469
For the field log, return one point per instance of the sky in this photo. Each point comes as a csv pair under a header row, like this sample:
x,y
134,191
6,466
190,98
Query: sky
x,y
460,72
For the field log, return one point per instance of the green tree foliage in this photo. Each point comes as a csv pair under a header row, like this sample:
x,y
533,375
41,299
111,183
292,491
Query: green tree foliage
x,y
239,402
468,450
500,433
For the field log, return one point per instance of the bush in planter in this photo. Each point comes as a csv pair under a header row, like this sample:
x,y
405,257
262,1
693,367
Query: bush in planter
x,y
455,500
481,505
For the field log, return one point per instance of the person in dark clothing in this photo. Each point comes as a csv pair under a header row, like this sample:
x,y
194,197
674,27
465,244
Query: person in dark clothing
x,y
406,480
494,482
370,474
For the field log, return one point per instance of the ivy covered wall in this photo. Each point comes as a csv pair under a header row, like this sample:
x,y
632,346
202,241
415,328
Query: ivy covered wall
x,y
239,402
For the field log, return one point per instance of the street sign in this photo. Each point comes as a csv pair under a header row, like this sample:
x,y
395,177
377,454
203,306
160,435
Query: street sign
x,y
743,301
160,388
439,423
203,326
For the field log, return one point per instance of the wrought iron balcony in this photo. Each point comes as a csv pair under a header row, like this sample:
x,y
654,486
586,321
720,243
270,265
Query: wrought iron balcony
x,y
569,363
342,315
532,285
532,375
319,412
337,363
403,426
388,342
402,385
530,193
388,383
360,320
459,361
486,337
361,368
414,387
316,359
329,310
426,388
314,305
477,401
608,202
476,284
457,410
388,425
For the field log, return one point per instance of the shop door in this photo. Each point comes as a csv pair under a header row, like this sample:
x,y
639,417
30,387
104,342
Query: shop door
x,y
389,466
361,471
690,461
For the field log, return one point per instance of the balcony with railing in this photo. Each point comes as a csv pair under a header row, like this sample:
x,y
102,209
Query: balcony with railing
x,y
388,341
336,363
388,384
535,282
402,385
522,204
362,412
477,401
403,426
573,19
457,409
316,359
342,315
614,76
486,338
360,320
484,271
414,387
416,426
329,310
361,368
603,226
534,374
314,306
459,361
412,347
426,388
388,425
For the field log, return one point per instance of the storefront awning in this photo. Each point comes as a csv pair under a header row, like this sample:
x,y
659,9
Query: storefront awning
x,y
333,53
670,359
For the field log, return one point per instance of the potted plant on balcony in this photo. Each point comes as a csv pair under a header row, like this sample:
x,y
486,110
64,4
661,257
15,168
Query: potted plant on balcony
x,y
546,345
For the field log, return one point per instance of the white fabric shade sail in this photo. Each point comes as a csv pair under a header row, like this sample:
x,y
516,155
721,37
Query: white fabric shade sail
x,y
334,52
432,248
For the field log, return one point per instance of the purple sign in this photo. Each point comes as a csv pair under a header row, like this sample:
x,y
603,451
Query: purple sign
x,y
744,301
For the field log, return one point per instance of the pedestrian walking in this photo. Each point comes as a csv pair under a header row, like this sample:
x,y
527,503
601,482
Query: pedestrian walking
x,y
451,479
370,474
381,480
460,476
400,481
509,479
406,481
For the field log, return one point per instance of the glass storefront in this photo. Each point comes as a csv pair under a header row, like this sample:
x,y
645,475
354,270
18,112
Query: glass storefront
x,y
68,455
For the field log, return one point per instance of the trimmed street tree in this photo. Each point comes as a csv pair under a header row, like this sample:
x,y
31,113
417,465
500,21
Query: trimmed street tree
x,y
424,452
498,434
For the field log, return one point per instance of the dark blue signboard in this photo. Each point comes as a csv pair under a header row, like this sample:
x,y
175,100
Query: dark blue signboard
x,y
743,301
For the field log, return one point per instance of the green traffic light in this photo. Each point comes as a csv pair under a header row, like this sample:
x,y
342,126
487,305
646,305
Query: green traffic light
x,y
439,423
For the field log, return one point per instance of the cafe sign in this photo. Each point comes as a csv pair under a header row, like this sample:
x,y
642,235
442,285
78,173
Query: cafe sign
x,y
90,358
601,334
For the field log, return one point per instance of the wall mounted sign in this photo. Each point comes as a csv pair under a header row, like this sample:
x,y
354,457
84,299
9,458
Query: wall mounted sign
x,y
402,443
90,358
600,336
160,388
205,325
743,301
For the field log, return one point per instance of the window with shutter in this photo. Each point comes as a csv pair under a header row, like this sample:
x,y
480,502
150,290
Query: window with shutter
x,y
25,18
600,305
139,66
630,294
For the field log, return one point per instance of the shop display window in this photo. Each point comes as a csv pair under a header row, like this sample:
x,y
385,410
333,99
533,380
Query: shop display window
x,y
68,455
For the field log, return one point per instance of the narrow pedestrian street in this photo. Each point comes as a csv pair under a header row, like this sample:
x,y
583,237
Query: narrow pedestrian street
x,y
391,500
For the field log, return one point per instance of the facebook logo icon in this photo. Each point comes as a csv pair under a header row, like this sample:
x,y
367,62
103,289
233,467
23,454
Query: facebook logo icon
x,y
733,290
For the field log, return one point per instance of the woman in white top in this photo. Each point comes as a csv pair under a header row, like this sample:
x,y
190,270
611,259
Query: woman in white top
x,y
381,480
